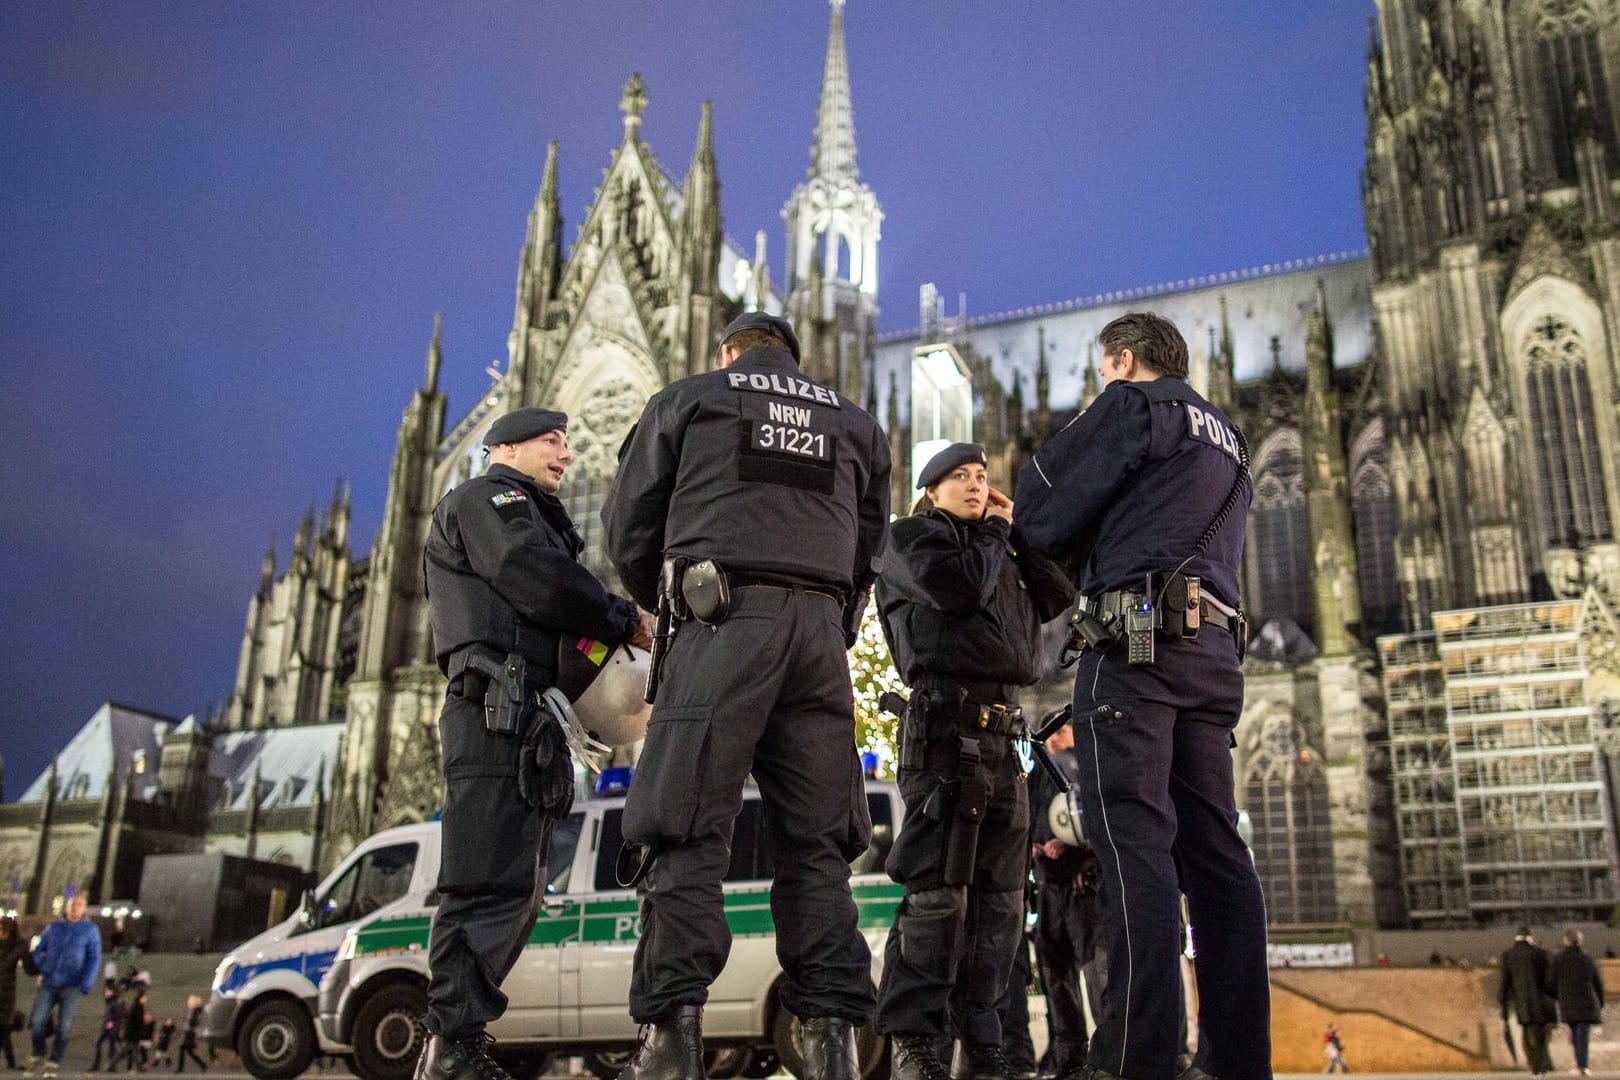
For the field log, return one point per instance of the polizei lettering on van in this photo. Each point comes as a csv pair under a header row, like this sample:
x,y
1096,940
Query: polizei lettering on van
x,y
783,385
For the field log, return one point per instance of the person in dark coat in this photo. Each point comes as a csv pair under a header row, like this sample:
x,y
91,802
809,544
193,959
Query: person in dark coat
x,y
13,951
1578,987
1526,976
112,1023
962,601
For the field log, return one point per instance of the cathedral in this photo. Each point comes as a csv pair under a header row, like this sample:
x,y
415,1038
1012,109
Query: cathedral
x,y
1434,432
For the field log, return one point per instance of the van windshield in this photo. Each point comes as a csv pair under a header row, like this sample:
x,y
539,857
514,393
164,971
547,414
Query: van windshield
x,y
378,877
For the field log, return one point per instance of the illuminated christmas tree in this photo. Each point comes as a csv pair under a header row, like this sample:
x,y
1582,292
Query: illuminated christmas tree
x,y
872,671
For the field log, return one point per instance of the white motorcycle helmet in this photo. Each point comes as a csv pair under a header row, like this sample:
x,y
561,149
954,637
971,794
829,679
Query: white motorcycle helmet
x,y
598,698
1063,817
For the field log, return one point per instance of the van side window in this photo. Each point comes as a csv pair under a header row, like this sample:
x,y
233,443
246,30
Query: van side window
x,y
750,859
560,859
378,877
607,852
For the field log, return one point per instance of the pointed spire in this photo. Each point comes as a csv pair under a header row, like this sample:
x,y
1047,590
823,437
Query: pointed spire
x,y
267,567
306,529
1093,384
893,412
633,104
435,355
833,154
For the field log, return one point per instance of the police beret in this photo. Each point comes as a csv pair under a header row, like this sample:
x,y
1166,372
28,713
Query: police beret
x,y
953,456
521,425
759,320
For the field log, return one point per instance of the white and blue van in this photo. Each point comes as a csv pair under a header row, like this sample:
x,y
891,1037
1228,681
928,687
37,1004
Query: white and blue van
x,y
264,994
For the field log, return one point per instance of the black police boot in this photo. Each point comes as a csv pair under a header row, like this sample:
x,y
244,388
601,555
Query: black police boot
x,y
979,1061
1063,1057
827,1046
458,1059
671,1049
914,1058
1193,1072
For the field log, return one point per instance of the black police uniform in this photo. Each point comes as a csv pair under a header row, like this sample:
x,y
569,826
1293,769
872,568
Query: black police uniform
x,y
784,484
1065,923
503,577
1124,490
962,604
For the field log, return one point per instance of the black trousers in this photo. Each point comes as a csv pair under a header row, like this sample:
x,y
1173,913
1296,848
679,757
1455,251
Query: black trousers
x,y
766,692
1016,1042
1156,788
950,950
491,873
1065,929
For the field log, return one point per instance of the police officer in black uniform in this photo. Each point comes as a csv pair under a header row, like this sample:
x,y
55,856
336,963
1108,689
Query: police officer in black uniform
x,y
749,503
1152,479
504,581
1066,880
962,602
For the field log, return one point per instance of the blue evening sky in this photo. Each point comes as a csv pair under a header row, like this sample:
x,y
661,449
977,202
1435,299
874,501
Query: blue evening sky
x,y
225,229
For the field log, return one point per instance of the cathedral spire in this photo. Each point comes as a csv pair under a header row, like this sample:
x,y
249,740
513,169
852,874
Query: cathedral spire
x,y
435,356
633,104
833,154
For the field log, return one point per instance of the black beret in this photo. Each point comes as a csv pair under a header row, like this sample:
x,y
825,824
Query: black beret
x,y
759,320
953,456
521,425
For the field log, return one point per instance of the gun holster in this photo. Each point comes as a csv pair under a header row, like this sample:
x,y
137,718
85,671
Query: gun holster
x,y
506,706
914,729
706,592
972,799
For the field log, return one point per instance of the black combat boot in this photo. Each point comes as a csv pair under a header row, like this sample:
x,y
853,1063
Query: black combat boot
x,y
1193,1072
827,1046
979,1061
914,1058
458,1059
671,1049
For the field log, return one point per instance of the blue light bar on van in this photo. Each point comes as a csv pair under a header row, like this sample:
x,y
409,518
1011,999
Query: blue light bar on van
x,y
614,781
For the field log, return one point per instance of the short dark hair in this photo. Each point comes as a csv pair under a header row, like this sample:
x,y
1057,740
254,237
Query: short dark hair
x,y
756,337
1152,339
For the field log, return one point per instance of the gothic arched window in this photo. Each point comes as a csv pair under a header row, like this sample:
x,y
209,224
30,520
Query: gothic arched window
x,y
1373,510
1285,793
1574,498
1569,52
1279,548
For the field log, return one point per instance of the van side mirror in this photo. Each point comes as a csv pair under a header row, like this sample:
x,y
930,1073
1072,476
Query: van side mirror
x,y
306,908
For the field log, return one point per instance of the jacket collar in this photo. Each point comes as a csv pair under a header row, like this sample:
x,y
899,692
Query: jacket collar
x,y
763,356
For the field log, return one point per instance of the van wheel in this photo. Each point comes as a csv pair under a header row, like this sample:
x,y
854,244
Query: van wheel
x,y
388,1033
606,1064
869,1047
765,1063
276,1040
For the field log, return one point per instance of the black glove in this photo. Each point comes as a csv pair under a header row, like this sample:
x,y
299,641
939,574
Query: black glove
x,y
545,768
854,611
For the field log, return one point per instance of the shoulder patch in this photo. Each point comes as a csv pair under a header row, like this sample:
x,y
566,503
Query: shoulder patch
x,y
507,498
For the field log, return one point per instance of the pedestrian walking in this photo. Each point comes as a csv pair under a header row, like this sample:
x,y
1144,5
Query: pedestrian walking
x,y
13,951
112,1026
68,957
1333,1048
188,1040
1526,986
1578,986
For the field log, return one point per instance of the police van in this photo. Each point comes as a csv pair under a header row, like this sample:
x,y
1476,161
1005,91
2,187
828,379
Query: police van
x,y
262,1002
569,989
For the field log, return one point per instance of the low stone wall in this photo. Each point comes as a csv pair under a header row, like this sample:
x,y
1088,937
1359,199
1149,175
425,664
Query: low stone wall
x,y
1410,1020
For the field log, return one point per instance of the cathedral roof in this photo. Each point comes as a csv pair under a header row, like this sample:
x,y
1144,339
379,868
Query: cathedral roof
x,y
289,763
114,738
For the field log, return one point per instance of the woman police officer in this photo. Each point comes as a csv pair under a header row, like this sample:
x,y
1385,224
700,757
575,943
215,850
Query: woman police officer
x,y
962,605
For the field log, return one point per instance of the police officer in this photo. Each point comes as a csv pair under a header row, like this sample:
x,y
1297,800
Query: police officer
x,y
1152,479
1066,880
962,603
503,582
768,495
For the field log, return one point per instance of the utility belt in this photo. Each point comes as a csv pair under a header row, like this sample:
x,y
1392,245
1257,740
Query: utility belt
x,y
509,688
1173,608
701,589
975,707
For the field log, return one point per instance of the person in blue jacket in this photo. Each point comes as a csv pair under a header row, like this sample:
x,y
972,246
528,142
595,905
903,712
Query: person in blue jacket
x,y
69,960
